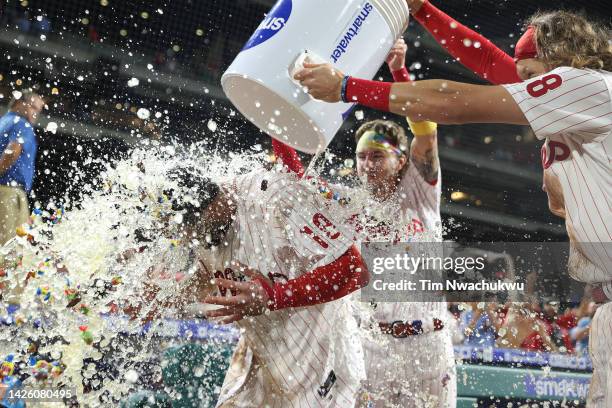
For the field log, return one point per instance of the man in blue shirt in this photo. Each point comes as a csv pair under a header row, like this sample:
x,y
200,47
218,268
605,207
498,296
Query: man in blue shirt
x,y
18,155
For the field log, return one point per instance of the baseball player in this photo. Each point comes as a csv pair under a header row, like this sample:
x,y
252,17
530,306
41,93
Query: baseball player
x,y
292,356
408,182
415,366
566,101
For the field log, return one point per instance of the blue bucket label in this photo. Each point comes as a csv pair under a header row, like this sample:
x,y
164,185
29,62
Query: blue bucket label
x,y
275,21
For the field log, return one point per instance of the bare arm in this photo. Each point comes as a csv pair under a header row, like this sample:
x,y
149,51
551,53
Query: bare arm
x,y
451,102
10,156
424,156
582,333
424,147
415,5
435,100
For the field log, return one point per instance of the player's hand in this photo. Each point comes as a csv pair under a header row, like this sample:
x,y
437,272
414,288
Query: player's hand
x,y
247,298
396,59
322,81
415,5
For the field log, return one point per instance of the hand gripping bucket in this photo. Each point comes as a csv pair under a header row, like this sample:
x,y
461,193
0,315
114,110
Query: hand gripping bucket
x,y
353,35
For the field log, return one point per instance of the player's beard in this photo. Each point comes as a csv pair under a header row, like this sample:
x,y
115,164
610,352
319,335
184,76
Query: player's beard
x,y
382,190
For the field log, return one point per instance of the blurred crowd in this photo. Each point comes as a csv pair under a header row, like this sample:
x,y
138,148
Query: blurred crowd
x,y
544,327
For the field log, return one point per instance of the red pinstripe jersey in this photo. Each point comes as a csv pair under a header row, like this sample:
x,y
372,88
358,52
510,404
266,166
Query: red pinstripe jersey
x,y
282,226
419,220
571,110
411,214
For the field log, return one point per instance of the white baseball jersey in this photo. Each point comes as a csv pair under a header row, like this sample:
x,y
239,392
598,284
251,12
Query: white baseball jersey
x,y
570,109
305,356
600,389
417,370
417,218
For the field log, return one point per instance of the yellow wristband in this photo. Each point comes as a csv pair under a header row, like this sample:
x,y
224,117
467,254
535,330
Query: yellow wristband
x,y
424,128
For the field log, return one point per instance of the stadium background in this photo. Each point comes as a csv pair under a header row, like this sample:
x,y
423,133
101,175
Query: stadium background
x,y
83,54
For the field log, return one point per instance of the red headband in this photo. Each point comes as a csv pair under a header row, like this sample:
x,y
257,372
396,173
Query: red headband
x,y
526,45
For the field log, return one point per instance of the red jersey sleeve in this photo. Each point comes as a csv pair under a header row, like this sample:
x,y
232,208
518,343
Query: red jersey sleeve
x,y
289,157
486,60
324,284
401,75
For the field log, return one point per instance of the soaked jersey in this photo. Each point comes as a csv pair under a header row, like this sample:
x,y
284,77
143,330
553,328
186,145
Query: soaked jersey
x,y
412,214
283,228
419,212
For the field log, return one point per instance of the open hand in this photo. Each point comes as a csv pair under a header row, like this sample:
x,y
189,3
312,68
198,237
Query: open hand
x,y
247,298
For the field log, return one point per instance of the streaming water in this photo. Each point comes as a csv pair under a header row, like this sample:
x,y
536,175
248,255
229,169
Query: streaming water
x,y
67,280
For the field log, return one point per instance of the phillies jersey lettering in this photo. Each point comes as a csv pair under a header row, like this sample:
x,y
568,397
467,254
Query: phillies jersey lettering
x,y
570,109
323,225
554,151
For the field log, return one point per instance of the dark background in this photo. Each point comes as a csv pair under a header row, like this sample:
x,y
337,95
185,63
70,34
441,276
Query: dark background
x,y
81,54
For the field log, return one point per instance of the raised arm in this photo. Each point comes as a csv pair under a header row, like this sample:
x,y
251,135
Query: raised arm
x,y
435,100
467,46
288,156
424,146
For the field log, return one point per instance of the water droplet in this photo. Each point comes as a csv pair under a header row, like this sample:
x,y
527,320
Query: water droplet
x,y
212,125
131,376
198,372
143,113
51,127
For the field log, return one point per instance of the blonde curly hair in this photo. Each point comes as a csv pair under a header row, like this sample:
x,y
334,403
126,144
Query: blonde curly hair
x,y
569,39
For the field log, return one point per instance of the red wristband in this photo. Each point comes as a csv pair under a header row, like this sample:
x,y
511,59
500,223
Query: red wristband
x,y
373,94
401,75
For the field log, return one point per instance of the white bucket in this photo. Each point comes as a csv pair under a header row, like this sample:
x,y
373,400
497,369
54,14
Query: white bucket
x,y
354,35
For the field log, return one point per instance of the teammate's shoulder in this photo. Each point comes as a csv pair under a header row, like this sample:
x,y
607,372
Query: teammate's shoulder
x,y
572,72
